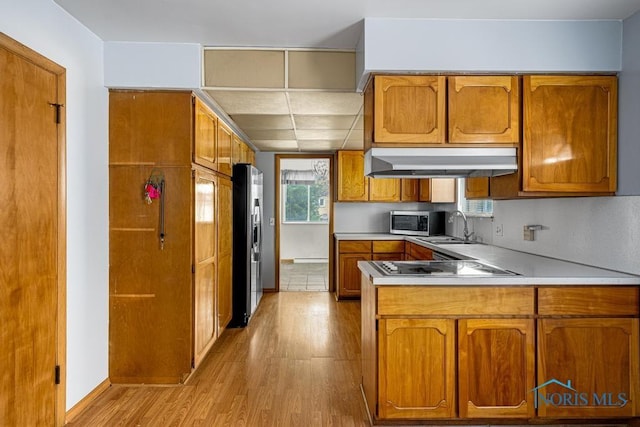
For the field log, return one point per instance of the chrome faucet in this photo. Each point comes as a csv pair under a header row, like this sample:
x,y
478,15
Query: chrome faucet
x,y
465,231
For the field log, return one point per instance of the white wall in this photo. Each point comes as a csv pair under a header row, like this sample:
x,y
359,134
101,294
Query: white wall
x,y
152,65
304,241
429,45
46,28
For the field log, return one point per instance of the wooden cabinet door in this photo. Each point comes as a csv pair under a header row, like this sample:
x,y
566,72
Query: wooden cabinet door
x,y
204,229
224,143
476,188
353,185
438,190
409,190
384,189
206,124
592,360
570,133
350,275
484,109
236,150
416,368
225,253
496,368
409,109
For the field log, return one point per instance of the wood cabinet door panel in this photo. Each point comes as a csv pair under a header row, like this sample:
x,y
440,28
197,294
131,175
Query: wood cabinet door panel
x,y
225,252
350,275
570,133
484,109
409,190
589,300
224,142
206,127
416,368
496,368
476,188
598,356
354,246
443,190
384,190
353,185
409,109
388,246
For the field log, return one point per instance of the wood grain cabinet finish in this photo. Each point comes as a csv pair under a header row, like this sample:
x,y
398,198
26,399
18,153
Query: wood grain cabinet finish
x,y
224,142
348,273
164,301
205,150
408,110
225,253
484,109
384,190
353,185
597,361
409,190
570,133
416,368
496,368
205,324
476,188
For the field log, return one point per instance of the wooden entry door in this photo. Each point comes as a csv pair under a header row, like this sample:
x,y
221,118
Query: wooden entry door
x,y
32,245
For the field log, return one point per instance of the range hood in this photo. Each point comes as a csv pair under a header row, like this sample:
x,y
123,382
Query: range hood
x,y
439,162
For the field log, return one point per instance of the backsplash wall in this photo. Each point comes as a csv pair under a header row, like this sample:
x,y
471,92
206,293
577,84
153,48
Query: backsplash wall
x,y
598,231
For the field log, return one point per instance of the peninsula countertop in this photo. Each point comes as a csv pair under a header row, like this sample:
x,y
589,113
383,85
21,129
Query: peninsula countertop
x,y
531,269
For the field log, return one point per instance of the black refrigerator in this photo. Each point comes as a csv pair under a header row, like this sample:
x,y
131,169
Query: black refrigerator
x,y
247,242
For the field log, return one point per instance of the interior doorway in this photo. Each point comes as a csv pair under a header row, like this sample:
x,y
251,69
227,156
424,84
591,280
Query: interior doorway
x,y
304,222
33,246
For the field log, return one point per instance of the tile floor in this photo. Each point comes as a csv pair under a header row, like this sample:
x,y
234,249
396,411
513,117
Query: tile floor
x,y
304,277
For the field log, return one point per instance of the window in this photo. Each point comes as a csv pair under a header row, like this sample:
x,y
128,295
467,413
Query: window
x,y
304,194
482,207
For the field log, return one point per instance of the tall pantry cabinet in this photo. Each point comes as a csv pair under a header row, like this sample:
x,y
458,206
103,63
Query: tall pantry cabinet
x,y
168,290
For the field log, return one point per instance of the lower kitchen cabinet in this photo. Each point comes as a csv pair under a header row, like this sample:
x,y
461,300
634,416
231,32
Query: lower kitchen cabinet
x,y
415,252
496,368
225,253
416,368
348,274
592,360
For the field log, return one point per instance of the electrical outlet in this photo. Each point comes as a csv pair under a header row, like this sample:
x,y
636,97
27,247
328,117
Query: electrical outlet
x,y
498,229
272,221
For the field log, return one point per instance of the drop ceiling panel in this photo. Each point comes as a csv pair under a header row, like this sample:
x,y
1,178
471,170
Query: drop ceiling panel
x,y
355,141
323,122
244,68
269,145
322,134
322,70
263,121
331,103
250,102
319,145
272,134
360,123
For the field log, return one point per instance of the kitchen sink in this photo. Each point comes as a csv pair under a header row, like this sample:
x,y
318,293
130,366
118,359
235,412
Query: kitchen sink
x,y
446,240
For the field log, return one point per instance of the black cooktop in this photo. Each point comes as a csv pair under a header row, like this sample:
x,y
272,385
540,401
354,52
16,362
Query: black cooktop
x,y
466,268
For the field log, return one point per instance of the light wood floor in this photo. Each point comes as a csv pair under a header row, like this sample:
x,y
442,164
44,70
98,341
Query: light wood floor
x,y
296,364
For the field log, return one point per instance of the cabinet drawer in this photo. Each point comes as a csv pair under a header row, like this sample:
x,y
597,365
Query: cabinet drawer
x,y
592,300
420,252
354,246
454,300
388,246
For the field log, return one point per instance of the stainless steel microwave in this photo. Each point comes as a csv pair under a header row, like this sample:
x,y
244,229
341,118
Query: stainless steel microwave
x,y
417,223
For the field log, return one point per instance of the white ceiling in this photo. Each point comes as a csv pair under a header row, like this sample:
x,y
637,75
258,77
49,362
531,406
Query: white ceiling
x,y
297,120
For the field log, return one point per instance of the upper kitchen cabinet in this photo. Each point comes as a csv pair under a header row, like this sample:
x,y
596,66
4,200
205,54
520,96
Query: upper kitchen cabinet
x,y
353,185
476,188
405,110
570,134
205,151
224,144
484,109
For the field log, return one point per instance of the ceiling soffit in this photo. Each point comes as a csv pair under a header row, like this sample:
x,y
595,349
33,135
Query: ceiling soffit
x,y
288,99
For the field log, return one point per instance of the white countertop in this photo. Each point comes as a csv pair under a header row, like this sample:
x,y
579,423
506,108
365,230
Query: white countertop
x,y
532,269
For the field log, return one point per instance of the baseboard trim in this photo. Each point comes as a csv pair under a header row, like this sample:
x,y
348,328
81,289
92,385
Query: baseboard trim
x,y
87,400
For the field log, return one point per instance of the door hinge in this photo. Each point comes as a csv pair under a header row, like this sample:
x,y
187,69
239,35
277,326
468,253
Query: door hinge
x,y
57,375
57,107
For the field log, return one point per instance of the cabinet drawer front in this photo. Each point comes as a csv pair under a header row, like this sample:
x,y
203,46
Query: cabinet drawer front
x,y
355,246
450,300
420,252
588,300
388,246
